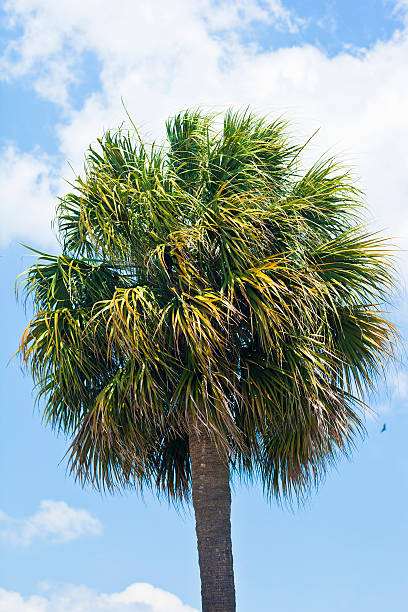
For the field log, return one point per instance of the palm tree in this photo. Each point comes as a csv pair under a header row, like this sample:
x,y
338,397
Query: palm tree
x,y
214,311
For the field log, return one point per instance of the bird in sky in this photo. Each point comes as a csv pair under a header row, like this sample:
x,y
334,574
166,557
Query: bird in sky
x,y
383,428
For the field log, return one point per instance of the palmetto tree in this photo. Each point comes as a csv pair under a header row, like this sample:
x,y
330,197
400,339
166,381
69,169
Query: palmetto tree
x,y
215,310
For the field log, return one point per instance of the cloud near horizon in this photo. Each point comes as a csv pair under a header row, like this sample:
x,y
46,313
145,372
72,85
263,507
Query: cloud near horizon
x,y
163,57
55,522
138,597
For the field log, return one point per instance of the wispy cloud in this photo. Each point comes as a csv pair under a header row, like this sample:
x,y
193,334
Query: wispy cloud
x,y
237,14
399,384
138,597
55,522
141,35
394,399
28,183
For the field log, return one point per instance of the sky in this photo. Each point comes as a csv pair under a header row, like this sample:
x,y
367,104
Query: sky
x,y
339,66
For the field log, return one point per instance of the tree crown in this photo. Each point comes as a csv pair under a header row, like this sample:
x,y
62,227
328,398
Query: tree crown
x,y
208,282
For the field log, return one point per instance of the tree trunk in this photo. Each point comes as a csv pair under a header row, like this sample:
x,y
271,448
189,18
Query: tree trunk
x,y
212,507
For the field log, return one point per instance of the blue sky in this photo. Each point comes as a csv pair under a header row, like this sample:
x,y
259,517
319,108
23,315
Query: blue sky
x,y
337,65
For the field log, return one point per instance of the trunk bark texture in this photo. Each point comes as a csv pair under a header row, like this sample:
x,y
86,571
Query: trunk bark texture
x,y
212,507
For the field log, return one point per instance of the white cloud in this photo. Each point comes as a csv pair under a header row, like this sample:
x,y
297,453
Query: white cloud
x,y
140,34
27,203
55,521
164,56
399,385
240,13
138,597
394,396
380,410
